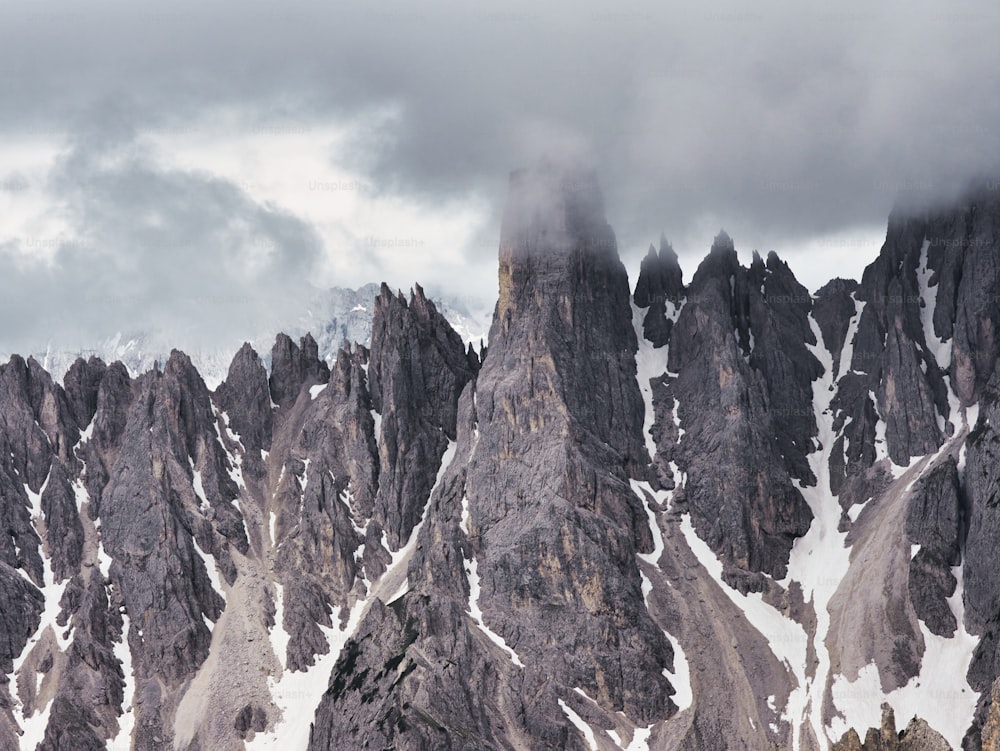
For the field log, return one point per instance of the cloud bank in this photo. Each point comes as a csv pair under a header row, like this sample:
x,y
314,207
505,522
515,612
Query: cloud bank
x,y
797,129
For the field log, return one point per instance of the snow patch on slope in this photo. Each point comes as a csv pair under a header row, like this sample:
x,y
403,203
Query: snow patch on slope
x,y
940,694
126,722
199,488
477,614
235,468
650,362
212,571
298,694
466,523
820,559
939,349
580,724
663,497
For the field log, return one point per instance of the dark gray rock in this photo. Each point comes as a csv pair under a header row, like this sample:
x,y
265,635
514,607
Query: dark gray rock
x,y
931,582
19,545
981,590
246,398
293,367
90,694
35,420
957,243
963,241
19,616
82,382
660,284
149,519
905,401
326,495
856,426
833,309
99,454
739,490
934,521
63,528
779,324
982,489
418,367
892,358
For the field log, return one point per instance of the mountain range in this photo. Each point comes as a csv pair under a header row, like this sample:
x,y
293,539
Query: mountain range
x,y
333,316
721,514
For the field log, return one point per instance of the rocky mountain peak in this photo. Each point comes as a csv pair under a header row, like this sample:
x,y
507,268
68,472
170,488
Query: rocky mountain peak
x,y
833,308
553,219
245,397
564,298
660,285
722,243
720,263
417,369
294,366
82,382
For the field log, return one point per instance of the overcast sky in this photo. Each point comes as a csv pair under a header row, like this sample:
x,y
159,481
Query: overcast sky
x,y
191,166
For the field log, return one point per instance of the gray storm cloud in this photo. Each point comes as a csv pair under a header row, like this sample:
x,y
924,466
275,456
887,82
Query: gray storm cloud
x,y
149,249
779,121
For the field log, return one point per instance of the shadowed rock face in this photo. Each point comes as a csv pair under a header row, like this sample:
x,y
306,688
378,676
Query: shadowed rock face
x,y
245,397
934,523
294,366
82,383
418,368
982,593
659,285
928,312
833,309
458,547
744,389
331,469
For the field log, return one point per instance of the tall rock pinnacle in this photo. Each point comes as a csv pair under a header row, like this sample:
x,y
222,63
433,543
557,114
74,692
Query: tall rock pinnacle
x,y
524,581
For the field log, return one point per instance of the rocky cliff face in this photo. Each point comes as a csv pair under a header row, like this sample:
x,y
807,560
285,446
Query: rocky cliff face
x,y
744,401
719,514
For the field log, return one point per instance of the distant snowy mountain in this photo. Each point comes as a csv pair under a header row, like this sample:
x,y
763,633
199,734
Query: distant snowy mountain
x,y
333,316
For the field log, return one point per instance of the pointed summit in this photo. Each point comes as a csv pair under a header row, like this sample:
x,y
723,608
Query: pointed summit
x,y
294,366
553,229
721,261
723,241
660,282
